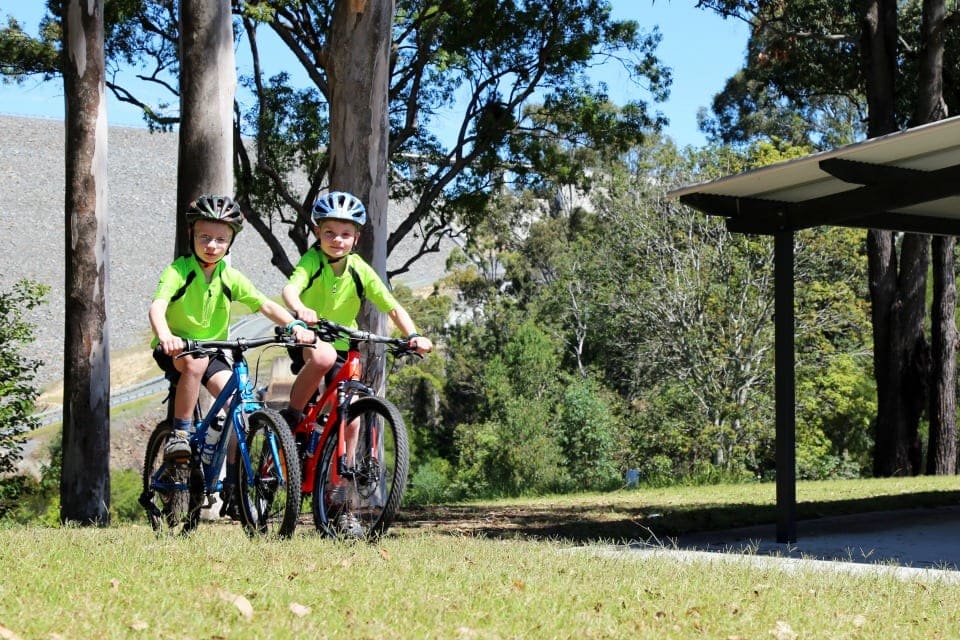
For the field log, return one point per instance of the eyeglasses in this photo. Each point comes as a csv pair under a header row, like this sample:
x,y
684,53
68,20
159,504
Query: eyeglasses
x,y
220,242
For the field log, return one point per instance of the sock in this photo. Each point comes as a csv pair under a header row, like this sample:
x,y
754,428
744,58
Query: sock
x,y
230,474
179,424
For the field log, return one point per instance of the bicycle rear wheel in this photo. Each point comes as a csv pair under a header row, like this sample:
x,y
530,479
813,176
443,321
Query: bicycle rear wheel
x,y
270,499
172,491
372,494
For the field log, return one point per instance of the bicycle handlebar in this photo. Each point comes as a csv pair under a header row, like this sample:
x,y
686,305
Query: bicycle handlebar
x,y
326,330
330,331
237,344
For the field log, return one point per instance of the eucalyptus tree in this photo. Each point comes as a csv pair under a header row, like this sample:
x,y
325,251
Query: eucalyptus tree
x,y
208,80
85,479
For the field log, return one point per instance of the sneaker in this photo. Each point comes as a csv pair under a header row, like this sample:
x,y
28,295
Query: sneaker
x,y
337,497
178,447
349,525
292,416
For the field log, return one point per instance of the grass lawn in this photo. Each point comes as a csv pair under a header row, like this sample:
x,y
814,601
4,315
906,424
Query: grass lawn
x,y
536,568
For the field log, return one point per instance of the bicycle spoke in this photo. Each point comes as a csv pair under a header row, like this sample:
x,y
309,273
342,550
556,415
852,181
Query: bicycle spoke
x,y
364,502
270,497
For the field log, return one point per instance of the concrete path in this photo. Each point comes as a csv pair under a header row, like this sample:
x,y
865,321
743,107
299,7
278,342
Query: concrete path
x,y
921,544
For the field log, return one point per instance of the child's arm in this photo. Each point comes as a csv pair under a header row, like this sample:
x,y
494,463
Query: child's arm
x,y
172,345
291,297
282,317
404,322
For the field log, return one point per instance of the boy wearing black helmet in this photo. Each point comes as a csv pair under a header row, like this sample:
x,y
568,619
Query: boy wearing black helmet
x,y
192,301
330,282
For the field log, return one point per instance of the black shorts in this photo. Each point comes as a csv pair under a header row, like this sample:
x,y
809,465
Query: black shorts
x,y
297,361
216,364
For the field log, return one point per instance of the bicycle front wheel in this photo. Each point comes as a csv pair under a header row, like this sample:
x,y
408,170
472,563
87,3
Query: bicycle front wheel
x,y
270,497
172,489
364,501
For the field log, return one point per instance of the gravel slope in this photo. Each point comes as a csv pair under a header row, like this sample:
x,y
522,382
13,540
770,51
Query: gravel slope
x,y
141,186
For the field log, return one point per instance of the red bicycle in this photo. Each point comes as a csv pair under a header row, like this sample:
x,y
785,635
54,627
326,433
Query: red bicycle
x,y
353,492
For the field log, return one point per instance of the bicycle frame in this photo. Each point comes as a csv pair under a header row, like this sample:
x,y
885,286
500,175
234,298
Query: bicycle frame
x,y
239,399
333,403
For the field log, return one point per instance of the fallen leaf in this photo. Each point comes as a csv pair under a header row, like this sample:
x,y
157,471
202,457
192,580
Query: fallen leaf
x,y
242,604
859,620
7,634
782,631
139,625
299,610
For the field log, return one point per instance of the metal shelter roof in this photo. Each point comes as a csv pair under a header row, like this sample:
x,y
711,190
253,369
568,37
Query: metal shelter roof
x,y
905,181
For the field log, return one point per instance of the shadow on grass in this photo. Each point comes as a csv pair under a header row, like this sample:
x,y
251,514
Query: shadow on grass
x,y
617,522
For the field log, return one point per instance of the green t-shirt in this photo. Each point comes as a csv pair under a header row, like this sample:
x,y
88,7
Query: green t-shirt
x,y
200,310
337,298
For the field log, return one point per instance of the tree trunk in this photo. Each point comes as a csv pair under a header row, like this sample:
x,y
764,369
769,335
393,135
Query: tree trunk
x,y
359,72
208,81
942,449
85,480
897,299
942,445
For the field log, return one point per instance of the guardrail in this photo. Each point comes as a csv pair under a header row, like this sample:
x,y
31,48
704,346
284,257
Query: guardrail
x,y
248,325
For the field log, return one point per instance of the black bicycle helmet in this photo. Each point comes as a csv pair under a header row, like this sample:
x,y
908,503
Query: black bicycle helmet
x,y
218,209
339,205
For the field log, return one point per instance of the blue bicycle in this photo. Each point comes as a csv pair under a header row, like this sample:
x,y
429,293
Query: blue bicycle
x,y
267,479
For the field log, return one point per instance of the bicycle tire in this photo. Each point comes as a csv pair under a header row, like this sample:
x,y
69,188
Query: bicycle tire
x,y
171,495
374,494
267,505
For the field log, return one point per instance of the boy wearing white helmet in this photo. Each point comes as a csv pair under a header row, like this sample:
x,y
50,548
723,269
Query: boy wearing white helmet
x,y
330,282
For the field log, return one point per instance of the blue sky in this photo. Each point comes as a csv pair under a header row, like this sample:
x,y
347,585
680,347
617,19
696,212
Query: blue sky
x,y
702,49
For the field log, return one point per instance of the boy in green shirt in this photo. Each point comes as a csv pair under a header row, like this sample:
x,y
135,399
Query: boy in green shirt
x,y
192,301
330,281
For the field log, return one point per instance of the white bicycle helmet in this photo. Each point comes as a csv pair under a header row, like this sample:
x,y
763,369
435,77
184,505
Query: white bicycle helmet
x,y
339,205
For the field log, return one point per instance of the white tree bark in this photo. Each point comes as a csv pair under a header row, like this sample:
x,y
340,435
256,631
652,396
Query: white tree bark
x,y
85,480
208,82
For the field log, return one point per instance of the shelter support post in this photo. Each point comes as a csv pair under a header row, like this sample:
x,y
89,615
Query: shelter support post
x,y
784,389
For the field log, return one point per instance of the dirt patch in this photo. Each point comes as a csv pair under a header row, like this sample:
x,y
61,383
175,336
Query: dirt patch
x,y
574,523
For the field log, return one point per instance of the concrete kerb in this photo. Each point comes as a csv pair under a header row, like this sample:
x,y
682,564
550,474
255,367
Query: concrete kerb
x,y
785,564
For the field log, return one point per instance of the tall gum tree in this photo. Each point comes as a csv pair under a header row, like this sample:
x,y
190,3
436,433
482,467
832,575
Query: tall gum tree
x,y
85,480
359,72
208,80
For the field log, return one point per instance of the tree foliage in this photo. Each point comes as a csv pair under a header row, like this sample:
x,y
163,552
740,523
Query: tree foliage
x,y
661,329
511,77
17,370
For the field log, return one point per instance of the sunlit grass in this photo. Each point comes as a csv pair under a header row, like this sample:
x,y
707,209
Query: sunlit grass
x,y
124,582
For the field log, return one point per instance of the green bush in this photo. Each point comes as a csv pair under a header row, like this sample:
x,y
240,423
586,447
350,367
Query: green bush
x,y
431,483
589,438
17,393
125,489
